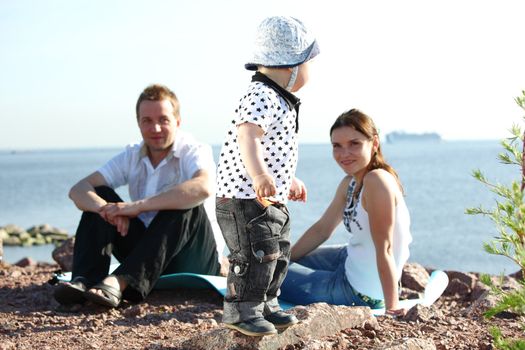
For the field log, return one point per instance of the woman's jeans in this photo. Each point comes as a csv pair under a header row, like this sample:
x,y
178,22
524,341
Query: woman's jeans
x,y
258,238
320,277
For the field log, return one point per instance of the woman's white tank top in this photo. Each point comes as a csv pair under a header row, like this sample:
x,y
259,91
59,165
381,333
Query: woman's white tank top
x,y
360,265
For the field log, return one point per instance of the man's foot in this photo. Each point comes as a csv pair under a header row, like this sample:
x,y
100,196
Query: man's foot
x,y
256,327
281,319
107,293
69,293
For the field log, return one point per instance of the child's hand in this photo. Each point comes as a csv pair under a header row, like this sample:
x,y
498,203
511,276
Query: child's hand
x,y
297,191
264,185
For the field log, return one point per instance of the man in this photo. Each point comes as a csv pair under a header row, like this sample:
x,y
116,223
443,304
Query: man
x,y
163,229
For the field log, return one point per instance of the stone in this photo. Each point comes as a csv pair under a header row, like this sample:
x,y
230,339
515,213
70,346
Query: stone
x,y
12,241
24,262
35,235
3,233
517,275
316,321
63,254
486,301
479,289
13,229
510,283
422,313
408,344
406,293
414,277
28,241
468,278
134,311
457,287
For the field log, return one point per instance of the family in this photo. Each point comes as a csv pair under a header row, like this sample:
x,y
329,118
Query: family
x,y
170,224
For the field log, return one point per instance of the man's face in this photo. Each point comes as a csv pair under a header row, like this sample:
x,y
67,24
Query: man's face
x,y
157,124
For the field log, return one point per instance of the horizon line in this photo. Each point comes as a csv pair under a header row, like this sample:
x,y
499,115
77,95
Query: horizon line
x,y
110,147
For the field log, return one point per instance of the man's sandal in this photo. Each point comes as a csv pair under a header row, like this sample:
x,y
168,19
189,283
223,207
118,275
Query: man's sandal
x,y
68,293
111,296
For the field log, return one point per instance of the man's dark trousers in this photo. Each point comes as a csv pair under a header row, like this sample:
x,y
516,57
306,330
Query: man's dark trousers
x,y
175,241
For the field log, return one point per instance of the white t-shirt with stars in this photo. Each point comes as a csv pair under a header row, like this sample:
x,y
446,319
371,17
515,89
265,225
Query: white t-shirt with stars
x,y
266,108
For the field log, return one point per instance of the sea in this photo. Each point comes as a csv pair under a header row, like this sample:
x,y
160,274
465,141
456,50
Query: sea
x,y
437,179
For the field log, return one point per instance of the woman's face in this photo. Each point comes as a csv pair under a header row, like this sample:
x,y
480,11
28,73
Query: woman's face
x,y
352,150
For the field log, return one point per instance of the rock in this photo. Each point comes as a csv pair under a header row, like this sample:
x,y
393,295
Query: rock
x,y
39,240
24,262
44,229
457,287
409,294
134,311
479,289
414,277
12,241
468,278
510,284
1,249
408,344
507,283
35,235
316,321
63,254
13,229
3,233
422,313
33,230
517,275
28,241
7,345
481,305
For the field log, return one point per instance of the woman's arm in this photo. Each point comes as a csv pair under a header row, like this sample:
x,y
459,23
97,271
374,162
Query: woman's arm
x,y
379,200
325,226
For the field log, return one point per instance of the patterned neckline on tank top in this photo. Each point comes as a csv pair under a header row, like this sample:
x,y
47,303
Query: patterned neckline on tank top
x,y
349,213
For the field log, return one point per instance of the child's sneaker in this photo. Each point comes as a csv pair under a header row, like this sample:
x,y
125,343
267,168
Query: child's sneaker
x,y
256,327
281,319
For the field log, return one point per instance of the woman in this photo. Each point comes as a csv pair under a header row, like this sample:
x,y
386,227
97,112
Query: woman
x,y
369,200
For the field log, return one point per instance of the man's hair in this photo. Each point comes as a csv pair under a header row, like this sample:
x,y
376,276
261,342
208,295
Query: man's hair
x,y
157,92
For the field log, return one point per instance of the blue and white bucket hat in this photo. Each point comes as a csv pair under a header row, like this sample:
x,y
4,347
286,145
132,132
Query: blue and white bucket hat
x,y
282,42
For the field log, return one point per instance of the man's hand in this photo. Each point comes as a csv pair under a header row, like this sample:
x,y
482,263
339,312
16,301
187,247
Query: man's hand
x,y
118,214
264,185
122,223
297,191
112,210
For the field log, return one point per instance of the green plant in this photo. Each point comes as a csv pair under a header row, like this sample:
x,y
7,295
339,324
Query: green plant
x,y
509,219
506,344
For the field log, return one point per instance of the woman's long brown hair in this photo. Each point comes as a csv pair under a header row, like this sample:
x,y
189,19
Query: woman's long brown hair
x,y
362,123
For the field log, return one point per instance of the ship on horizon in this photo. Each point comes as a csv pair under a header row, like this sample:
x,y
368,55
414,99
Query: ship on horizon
x,y
402,136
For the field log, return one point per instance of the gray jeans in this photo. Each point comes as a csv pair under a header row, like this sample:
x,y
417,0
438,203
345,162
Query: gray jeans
x,y
258,238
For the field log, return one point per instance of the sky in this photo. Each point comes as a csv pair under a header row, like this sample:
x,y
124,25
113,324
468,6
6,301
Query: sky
x,y
71,71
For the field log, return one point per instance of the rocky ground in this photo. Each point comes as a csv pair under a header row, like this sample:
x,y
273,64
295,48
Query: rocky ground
x,y
189,319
